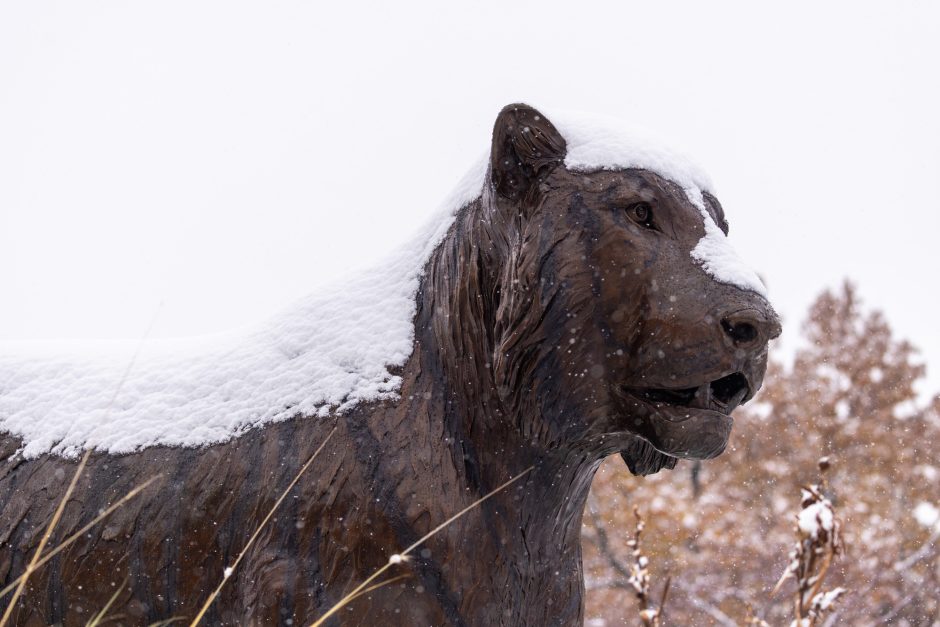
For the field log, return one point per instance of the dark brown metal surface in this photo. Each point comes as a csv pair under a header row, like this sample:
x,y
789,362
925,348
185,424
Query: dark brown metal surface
x,y
561,321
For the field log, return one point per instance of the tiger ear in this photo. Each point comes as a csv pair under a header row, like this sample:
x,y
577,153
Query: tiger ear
x,y
526,147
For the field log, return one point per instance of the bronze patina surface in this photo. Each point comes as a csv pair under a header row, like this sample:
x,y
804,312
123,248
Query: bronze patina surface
x,y
561,320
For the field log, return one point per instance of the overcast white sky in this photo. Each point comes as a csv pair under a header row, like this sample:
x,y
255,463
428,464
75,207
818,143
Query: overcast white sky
x,y
225,158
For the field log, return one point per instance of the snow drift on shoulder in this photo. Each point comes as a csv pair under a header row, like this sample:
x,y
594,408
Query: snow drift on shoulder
x,y
324,355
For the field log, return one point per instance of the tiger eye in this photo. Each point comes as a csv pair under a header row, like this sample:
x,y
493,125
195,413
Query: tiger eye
x,y
641,212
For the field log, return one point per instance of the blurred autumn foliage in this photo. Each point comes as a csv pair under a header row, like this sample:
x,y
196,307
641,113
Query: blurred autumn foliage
x,y
721,530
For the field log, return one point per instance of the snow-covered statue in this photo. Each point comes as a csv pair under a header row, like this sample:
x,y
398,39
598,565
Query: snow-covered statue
x,y
576,298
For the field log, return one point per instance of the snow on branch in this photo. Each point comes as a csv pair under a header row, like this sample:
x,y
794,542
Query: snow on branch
x,y
819,540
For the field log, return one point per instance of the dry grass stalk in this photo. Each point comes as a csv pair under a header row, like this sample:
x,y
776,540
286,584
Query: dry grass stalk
x,y
819,535
398,558
78,534
381,584
34,562
97,618
651,615
229,569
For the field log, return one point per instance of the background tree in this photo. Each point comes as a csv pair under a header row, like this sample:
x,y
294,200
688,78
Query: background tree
x,y
722,529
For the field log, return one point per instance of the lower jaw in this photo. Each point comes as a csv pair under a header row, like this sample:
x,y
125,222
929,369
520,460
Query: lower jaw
x,y
684,432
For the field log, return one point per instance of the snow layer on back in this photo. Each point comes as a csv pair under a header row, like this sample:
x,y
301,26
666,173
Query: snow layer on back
x,y
324,355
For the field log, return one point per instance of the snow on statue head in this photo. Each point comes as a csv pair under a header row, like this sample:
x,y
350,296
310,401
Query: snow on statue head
x,y
575,298
614,305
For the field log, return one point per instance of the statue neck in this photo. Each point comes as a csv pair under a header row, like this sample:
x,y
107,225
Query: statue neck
x,y
525,540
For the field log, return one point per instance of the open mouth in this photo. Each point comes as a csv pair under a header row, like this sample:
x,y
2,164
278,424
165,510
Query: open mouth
x,y
722,395
693,422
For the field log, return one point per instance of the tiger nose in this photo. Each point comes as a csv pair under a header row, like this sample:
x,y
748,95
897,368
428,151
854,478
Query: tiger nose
x,y
750,328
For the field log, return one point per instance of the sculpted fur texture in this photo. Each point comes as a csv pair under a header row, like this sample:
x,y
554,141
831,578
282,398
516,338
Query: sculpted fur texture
x,y
561,320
